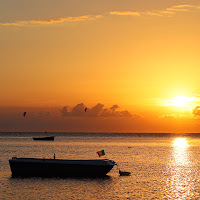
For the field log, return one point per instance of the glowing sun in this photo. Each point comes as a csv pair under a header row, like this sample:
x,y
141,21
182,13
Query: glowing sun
x,y
181,101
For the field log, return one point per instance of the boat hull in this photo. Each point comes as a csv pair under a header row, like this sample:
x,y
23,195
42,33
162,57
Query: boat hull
x,y
60,168
44,138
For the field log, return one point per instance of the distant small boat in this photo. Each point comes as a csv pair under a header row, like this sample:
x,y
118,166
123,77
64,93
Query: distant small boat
x,y
59,168
122,173
44,138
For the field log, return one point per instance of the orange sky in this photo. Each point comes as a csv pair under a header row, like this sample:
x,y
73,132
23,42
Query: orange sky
x,y
139,55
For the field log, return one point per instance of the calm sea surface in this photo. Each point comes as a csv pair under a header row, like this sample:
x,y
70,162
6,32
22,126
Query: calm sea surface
x,y
166,167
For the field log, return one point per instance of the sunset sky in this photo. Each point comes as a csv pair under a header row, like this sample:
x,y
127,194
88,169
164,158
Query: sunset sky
x,y
135,65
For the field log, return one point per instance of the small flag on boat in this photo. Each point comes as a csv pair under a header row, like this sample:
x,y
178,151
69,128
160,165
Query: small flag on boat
x,y
101,153
24,114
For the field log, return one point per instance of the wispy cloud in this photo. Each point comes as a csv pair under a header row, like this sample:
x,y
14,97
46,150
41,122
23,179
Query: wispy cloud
x,y
168,116
175,116
165,12
53,20
160,13
125,13
183,8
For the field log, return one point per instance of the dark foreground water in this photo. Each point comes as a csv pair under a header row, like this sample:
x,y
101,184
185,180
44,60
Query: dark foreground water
x,y
166,167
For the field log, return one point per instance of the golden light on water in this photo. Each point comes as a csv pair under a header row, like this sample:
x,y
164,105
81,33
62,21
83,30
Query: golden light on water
x,y
180,169
180,151
180,143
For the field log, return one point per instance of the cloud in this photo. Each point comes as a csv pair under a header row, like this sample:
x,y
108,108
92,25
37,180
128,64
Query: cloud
x,y
196,111
53,20
96,111
125,13
64,111
162,13
76,111
165,12
176,116
114,107
183,7
168,116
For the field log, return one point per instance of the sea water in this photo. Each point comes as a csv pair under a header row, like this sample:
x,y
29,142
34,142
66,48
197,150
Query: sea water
x,y
161,166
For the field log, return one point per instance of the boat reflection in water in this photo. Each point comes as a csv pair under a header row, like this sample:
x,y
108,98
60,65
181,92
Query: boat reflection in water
x,y
179,183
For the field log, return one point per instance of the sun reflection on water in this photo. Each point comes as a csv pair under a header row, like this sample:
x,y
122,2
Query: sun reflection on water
x,y
180,152
180,143
179,183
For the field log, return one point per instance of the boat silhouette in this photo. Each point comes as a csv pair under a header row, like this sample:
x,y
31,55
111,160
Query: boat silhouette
x,y
59,168
44,138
